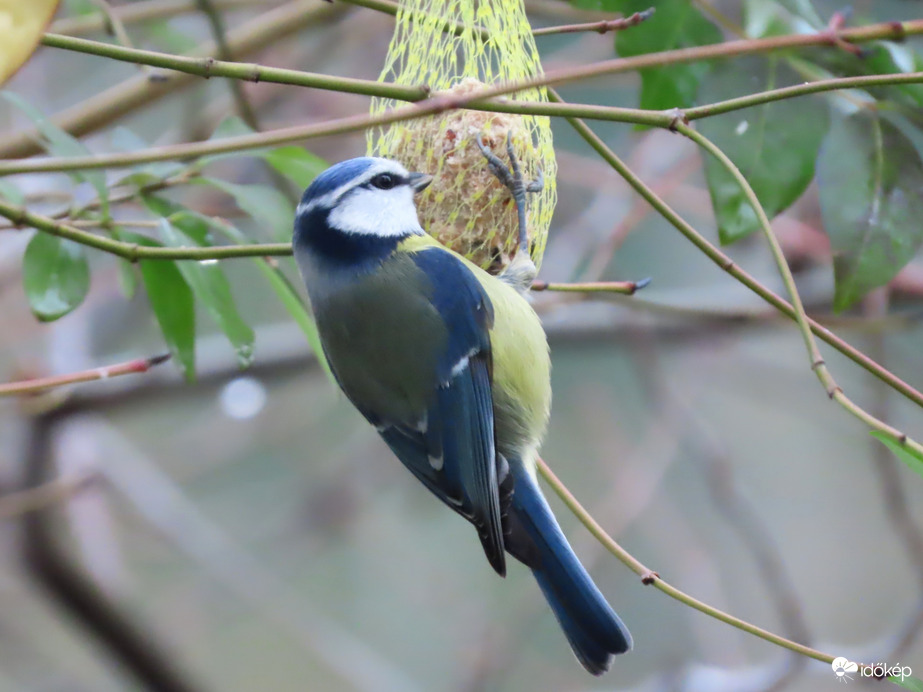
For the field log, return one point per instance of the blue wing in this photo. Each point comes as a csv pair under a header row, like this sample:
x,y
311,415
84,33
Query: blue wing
x,y
452,452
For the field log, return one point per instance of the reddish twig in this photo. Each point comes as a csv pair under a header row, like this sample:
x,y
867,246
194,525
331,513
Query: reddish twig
x,y
38,384
602,27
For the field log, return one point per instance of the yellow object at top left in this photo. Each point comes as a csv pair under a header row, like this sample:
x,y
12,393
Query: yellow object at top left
x,y
22,23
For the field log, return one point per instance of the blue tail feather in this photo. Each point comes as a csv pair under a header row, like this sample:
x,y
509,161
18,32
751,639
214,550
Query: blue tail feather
x,y
593,629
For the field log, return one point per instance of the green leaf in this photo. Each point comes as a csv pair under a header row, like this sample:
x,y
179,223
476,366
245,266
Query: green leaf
x,y
61,143
775,157
173,305
267,206
210,285
193,224
902,452
870,177
55,275
297,164
675,24
908,682
289,296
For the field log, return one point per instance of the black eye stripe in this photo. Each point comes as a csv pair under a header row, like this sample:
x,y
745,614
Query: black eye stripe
x,y
385,181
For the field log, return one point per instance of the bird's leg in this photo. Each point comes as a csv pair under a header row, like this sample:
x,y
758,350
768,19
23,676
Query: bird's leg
x,y
513,181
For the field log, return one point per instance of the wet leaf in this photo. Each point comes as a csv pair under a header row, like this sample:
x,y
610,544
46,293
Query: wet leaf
x,y
210,285
56,276
775,157
289,296
172,303
871,195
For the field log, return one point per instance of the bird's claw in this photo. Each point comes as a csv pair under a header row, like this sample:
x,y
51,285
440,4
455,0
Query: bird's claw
x,y
513,181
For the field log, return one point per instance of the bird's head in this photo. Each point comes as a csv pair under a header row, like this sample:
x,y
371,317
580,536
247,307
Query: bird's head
x,y
366,197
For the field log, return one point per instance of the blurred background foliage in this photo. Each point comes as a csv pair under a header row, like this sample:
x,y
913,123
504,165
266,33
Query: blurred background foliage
x,y
261,534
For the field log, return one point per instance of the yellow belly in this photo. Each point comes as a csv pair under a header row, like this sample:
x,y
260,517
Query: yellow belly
x,y
521,361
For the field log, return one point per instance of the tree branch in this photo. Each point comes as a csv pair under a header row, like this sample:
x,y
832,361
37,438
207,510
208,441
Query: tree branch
x,y
480,100
134,252
39,384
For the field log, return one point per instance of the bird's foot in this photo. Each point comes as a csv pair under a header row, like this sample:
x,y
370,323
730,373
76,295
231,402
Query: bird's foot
x,y
511,177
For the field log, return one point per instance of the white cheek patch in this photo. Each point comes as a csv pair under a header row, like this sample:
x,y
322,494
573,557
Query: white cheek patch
x,y
384,213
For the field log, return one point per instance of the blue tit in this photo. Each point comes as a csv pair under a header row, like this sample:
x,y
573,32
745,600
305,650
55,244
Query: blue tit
x,y
451,366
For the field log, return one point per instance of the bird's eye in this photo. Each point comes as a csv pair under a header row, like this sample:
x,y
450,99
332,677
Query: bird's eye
x,y
385,181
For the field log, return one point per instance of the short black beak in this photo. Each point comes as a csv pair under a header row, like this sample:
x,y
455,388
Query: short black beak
x,y
419,181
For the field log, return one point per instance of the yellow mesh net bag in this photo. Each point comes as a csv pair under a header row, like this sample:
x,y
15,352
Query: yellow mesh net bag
x,y
466,207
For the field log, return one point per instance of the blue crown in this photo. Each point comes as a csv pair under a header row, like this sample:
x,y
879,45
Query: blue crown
x,y
335,176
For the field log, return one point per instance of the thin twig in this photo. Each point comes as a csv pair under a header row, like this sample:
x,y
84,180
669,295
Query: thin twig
x,y
651,578
38,384
628,288
602,27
